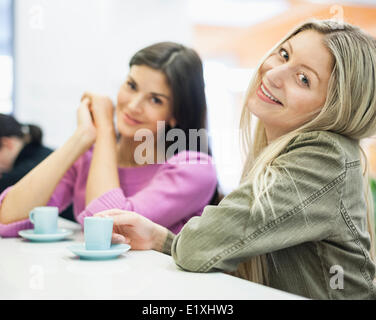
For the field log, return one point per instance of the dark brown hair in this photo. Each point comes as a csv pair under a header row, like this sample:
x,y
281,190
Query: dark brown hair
x,y
10,127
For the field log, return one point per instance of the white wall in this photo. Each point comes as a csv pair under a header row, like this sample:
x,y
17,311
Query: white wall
x,y
66,47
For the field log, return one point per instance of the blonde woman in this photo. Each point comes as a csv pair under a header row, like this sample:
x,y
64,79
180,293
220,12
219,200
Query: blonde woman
x,y
301,219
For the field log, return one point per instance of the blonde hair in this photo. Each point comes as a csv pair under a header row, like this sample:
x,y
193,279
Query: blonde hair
x,y
349,109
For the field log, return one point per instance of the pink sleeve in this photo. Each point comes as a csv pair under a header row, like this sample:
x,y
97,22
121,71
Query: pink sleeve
x,y
61,198
179,190
63,194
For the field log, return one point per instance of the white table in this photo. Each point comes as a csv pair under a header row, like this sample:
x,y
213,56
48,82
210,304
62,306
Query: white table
x,y
30,270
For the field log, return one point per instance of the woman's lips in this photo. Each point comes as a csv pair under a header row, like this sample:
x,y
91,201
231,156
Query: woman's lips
x,y
131,121
265,98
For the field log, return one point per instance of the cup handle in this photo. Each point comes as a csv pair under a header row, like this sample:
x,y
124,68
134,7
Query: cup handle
x,y
31,216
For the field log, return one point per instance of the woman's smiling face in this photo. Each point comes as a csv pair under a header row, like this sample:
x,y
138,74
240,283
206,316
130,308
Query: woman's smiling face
x,y
144,99
294,82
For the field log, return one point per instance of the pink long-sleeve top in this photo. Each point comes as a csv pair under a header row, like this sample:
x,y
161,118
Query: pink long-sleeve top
x,y
169,193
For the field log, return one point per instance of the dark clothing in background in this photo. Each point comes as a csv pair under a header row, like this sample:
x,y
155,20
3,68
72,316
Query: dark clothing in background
x,y
29,157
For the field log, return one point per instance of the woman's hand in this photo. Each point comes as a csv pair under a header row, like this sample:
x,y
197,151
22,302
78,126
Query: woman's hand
x,y
85,124
136,230
102,110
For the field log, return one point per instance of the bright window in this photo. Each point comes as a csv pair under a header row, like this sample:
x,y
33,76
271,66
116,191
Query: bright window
x,y
6,56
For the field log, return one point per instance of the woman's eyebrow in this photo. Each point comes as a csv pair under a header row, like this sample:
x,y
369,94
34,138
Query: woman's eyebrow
x,y
152,93
304,65
131,79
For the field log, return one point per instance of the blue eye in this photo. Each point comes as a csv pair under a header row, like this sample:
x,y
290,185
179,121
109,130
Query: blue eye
x,y
304,79
284,54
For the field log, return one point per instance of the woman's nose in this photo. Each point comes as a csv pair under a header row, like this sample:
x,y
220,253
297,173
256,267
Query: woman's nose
x,y
276,76
135,103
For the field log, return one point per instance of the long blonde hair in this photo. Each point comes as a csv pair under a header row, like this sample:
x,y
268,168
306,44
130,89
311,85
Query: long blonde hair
x,y
349,109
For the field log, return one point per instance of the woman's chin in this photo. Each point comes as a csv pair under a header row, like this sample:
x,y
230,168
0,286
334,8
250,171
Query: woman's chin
x,y
127,133
126,130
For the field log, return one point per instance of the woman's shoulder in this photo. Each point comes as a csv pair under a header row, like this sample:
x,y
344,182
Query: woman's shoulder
x,y
320,151
325,142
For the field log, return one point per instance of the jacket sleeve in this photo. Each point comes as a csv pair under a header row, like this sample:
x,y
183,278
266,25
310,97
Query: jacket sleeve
x,y
302,207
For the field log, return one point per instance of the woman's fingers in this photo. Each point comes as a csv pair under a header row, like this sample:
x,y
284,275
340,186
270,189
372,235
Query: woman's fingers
x,y
113,213
101,109
122,219
120,216
119,239
87,96
85,100
110,213
131,227
84,107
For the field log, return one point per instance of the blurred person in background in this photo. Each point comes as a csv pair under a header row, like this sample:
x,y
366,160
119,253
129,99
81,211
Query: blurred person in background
x,y
21,150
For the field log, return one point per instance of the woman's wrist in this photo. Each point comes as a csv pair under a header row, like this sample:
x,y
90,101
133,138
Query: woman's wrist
x,y
106,131
159,238
83,139
105,126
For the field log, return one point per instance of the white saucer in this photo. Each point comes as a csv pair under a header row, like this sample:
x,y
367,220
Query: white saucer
x,y
113,252
50,237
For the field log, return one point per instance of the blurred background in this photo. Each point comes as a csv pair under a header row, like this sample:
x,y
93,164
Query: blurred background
x,y
51,51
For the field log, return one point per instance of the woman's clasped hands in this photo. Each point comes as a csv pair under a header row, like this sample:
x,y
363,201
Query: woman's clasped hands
x,y
101,109
94,115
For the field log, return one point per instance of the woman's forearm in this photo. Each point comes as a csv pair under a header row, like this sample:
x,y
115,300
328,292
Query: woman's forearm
x,y
36,188
103,173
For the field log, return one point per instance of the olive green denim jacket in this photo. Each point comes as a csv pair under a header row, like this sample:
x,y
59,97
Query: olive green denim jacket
x,y
316,242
